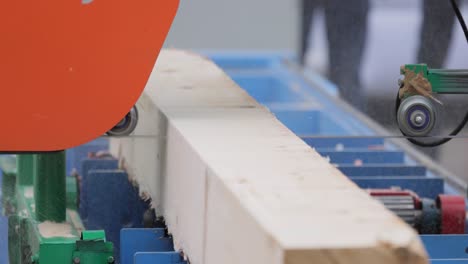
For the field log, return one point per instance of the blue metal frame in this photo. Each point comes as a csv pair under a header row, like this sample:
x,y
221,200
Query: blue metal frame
x,y
158,257
147,245
76,155
424,187
365,156
88,165
447,246
109,200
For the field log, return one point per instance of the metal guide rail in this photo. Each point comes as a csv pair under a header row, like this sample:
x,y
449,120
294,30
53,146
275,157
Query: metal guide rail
x,y
306,104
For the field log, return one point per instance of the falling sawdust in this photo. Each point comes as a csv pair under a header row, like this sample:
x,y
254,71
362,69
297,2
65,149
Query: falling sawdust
x,y
29,192
416,84
50,229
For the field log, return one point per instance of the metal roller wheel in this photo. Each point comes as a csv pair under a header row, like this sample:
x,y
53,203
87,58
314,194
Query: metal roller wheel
x,y
126,126
416,116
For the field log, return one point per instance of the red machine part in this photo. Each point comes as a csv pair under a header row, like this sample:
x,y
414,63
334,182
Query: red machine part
x,y
450,216
453,214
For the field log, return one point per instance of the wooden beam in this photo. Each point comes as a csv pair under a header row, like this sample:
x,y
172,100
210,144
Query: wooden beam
x,y
236,186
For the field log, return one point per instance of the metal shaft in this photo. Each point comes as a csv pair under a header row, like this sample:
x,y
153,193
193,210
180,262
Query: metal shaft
x,y
401,205
49,186
25,175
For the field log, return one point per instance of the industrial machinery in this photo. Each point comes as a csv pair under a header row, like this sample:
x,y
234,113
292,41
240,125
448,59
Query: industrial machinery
x,y
423,194
445,215
100,196
57,53
127,125
44,225
415,111
77,207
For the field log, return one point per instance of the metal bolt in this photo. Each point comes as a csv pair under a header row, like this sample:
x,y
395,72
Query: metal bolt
x,y
110,260
418,119
76,260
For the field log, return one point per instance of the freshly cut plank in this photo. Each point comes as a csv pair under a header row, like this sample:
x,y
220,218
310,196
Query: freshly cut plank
x,y
236,186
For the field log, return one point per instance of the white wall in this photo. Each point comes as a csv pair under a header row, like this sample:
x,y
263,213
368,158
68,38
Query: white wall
x,y
235,24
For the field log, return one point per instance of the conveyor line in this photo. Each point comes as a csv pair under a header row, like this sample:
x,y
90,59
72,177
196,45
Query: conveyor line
x,y
371,162
307,109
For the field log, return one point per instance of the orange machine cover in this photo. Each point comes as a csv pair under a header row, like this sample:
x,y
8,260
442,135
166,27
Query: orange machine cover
x,y
71,69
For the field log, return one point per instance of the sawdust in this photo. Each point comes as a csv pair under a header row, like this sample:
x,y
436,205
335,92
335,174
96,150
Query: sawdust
x,y
415,84
23,213
50,229
29,192
74,219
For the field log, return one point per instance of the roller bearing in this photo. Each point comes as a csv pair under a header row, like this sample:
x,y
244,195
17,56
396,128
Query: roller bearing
x,y
416,116
126,126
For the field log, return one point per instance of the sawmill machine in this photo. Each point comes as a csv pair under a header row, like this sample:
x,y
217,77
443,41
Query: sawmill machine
x,y
72,72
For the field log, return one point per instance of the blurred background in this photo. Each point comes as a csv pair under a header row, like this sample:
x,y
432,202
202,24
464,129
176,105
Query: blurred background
x,y
358,44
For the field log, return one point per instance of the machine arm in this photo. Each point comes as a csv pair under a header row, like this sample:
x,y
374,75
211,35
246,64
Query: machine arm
x,y
415,113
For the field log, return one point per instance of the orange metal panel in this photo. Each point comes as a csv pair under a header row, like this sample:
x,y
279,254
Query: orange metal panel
x,y
69,71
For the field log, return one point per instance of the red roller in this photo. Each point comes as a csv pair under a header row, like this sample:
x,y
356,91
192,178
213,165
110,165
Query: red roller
x,y
453,214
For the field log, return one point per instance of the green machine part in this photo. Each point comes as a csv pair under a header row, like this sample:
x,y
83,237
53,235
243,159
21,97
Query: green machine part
x,y
44,226
443,81
49,186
